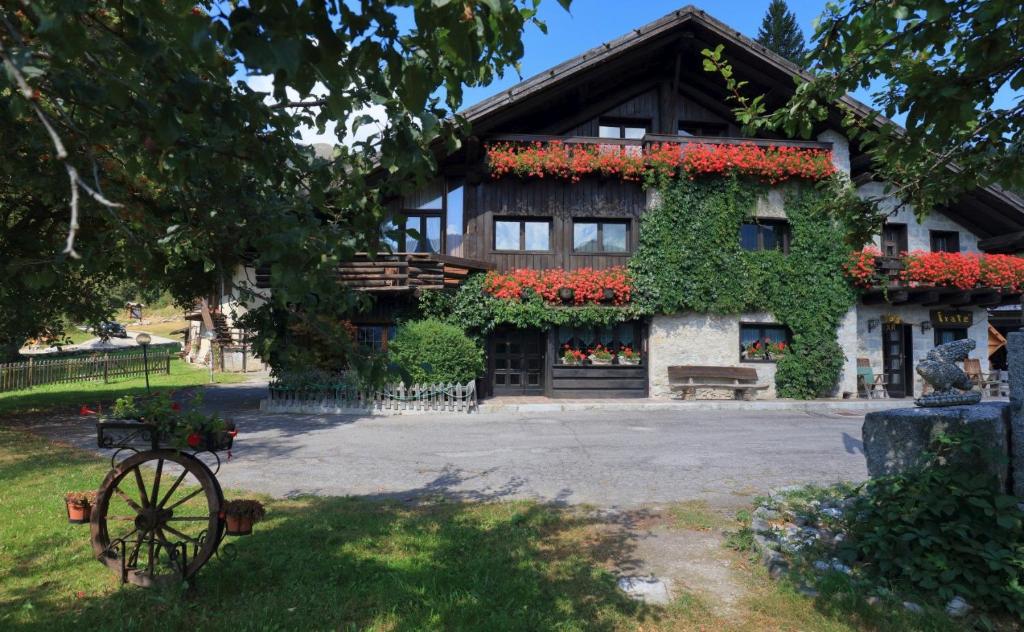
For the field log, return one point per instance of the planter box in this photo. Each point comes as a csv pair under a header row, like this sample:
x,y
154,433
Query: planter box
x,y
599,381
139,435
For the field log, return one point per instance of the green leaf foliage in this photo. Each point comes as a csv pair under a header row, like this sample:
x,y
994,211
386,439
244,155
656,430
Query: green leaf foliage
x,y
157,108
478,313
431,352
943,530
690,259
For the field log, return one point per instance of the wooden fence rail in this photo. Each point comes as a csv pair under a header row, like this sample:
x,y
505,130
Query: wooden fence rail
x,y
394,398
16,376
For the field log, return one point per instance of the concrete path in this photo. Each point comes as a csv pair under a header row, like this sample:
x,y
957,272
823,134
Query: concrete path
x,y
605,458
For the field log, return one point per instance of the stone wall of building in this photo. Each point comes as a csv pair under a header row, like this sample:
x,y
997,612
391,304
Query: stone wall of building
x,y
918,237
869,343
704,340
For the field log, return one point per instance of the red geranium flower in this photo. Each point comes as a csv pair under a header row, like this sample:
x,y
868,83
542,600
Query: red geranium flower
x,y
193,440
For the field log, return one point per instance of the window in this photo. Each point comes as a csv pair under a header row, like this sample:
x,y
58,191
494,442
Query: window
x,y
623,128
949,334
374,337
592,236
894,239
763,342
522,234
618,339
701,128
453,218
945,240
423,233
765,235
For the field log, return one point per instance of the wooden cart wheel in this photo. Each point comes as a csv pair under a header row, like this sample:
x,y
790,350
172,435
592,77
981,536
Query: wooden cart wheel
x,y
157,517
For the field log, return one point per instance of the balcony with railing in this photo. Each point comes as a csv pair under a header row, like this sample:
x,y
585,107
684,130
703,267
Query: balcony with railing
x,y
937,278
407,271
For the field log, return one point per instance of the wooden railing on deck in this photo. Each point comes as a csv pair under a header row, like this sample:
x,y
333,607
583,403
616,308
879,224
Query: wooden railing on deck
x,y
404,271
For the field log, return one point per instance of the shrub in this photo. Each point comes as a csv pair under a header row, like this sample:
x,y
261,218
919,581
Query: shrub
x,y
431,351
943,530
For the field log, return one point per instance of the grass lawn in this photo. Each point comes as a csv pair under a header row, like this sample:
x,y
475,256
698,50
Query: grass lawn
x,y
72,395
163,329
350,564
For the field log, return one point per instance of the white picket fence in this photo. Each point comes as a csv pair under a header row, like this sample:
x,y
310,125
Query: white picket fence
x,y
394,399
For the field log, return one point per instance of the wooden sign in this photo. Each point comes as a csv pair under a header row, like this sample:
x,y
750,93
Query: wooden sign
x,y
947,318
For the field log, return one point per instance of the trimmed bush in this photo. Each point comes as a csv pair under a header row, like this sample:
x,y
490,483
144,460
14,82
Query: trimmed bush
x,y
431,351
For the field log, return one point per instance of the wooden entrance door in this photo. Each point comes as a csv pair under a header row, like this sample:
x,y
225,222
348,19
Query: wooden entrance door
x,y
516,359
898,359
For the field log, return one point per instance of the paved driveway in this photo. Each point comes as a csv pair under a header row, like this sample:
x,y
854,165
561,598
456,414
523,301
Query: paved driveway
x,y
604,458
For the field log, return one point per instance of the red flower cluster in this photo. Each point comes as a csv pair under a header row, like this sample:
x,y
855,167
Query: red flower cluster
x,y
572,162
862,267
942,269
588,285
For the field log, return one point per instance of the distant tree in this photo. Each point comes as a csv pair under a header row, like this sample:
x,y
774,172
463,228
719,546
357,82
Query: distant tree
x,y
780,32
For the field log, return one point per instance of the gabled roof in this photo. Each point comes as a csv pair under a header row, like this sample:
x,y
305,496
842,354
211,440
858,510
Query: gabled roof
x,y
1004,208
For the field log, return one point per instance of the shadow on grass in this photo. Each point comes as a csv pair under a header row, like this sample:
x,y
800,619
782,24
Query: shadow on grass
x,y
337,563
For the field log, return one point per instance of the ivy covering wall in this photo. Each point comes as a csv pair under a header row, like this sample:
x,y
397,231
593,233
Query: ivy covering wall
x,y
690,259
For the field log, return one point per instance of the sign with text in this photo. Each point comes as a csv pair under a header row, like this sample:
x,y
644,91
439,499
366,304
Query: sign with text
x,y
947,318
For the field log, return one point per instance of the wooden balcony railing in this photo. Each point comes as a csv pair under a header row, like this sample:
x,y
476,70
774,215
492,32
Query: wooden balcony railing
x,y
407,271
651,139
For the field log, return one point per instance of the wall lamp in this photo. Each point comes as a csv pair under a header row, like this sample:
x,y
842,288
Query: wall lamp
x,y
873,324
925,326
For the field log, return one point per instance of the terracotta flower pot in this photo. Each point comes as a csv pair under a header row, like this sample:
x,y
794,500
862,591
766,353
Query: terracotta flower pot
x,y
238,525
78,513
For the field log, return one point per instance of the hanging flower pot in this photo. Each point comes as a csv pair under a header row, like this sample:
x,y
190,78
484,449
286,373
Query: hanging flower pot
x,y
565,294
79,506
240,515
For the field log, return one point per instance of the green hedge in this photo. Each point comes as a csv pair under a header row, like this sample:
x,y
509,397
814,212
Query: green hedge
x,y
431,351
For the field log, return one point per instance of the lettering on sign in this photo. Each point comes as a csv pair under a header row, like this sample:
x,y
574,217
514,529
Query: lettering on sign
x,y
947,318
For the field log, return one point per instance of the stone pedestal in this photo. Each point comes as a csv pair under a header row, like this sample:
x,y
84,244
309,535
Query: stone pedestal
x,y
1015,355
895,440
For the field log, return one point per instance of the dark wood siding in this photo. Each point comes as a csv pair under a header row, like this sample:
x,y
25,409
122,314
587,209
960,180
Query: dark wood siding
x,y
559,200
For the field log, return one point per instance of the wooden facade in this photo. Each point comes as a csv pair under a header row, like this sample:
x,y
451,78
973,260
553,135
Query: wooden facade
x,y
562,203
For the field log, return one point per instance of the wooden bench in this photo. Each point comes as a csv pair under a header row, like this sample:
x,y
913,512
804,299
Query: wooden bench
x,y
685,380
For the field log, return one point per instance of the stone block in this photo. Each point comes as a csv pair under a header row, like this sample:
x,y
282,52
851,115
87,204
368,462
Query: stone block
x,y
1015,356
896,440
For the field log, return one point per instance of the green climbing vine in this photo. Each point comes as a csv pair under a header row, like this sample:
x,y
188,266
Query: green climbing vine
x,y
479,313
690,259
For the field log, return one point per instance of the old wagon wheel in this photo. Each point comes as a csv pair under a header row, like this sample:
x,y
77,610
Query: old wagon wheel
x,y
156,517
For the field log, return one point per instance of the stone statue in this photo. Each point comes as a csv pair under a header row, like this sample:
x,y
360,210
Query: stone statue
x,y
951,385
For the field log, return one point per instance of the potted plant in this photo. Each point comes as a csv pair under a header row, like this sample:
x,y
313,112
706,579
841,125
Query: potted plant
x,y
79,506
566,294
628,356
601,355
241,515
572,356
754,351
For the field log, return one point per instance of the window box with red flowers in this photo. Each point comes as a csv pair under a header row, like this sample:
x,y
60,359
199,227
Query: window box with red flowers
x,y
924,269
572,162
577,287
